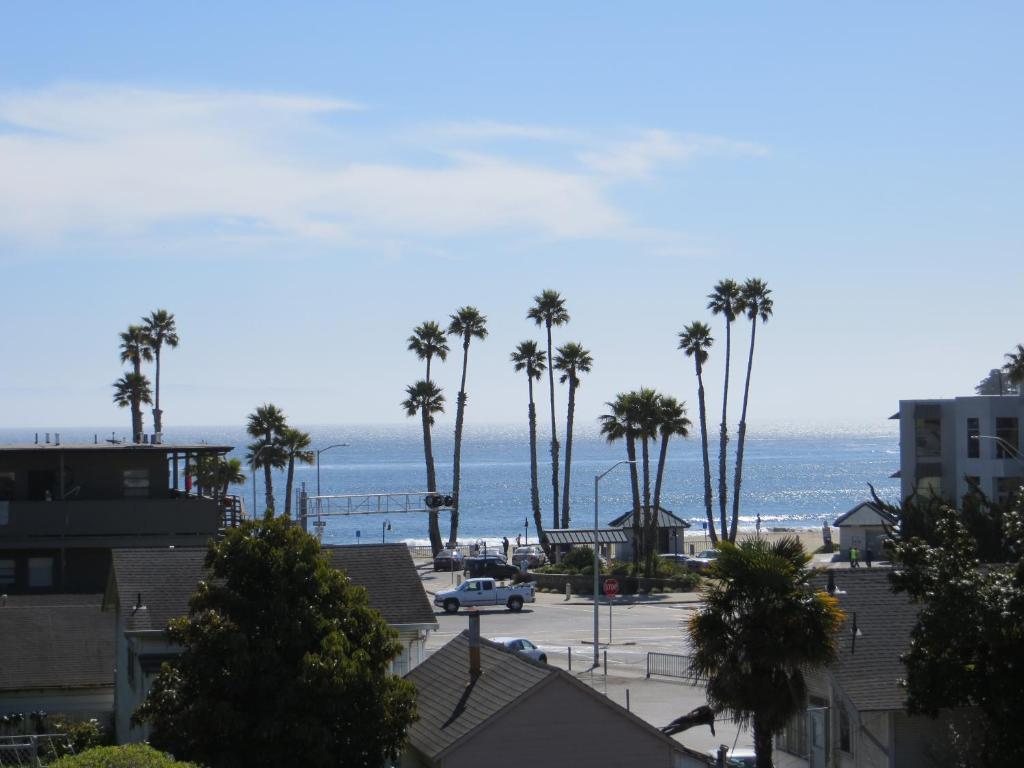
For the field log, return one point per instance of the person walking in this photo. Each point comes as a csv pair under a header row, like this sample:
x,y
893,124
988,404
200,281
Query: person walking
x,y
868,554
519,540
853,557
504,542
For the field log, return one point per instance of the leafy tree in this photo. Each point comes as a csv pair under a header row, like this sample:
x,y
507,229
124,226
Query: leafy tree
x,y
467,323
127,756
724,300
160,330
969,636
622,423
284,662
295,446
996,383
548,310
527,357
1014,366
572,360
760,626
135,349
756,302
267,423
131,391
695,340
425,399
217,474
428,341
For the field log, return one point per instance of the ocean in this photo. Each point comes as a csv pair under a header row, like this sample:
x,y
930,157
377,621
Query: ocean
x,y
793,477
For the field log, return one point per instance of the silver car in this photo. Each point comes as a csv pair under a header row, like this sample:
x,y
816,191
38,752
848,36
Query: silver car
x,y
523,646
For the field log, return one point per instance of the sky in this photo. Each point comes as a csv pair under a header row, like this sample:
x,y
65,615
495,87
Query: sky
x,y
301,184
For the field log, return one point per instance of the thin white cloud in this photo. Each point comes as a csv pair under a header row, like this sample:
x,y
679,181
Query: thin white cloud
x,y
114,160
637,158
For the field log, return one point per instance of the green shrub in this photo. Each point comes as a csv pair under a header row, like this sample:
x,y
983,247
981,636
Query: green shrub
x,y
128,756
85,734
579,558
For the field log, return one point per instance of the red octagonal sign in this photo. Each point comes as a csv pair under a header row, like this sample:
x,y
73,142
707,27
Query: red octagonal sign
x,y
611,587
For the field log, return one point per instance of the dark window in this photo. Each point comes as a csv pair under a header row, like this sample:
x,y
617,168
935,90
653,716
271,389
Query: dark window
x,y
136,482
6,486
928,436
1007,489
7,572
40,572
844,730
1008,437
973,439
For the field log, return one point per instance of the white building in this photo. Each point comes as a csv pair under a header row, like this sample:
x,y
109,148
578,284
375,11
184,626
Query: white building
x,y
948,445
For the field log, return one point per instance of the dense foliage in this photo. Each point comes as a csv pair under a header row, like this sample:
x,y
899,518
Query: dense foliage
x,y
284,663
968,642
129,756
761,624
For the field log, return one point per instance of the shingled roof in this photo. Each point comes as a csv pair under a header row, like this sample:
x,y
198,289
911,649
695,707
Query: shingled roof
x,y
665,520
154,585
56,643
450,710
389,576
869,669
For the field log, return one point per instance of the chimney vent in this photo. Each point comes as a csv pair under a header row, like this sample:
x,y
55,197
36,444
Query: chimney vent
x,y
56,438
474,645
47,438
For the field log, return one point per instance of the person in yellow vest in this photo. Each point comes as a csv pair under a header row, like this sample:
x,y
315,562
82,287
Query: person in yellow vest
x,y
854,554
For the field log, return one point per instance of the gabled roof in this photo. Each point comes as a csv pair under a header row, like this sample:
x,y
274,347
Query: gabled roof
x,y
586,536
62,642
869,669
153,586
866,513
390,578
451,709
665,520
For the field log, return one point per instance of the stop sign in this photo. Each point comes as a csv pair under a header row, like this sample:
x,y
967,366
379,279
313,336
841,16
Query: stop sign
x,y
611,587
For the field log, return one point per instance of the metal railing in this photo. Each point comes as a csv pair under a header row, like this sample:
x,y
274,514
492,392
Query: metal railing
x,y
669,665
33,750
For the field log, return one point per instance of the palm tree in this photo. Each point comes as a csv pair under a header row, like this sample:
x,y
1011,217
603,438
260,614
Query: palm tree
x,y
760,626
672,422
131,391
294,445
267,424
134,349
160,330
572,360
549,309
425,398
695,340
467,323
724,300
648,415
621,423
428,341
217,474
756,302
1015,366
527,357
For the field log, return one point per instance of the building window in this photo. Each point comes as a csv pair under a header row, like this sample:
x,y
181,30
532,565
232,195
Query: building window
x,y
929,487
1008,435
928,437
1007,489
130,666
6,486
844,730
40,572
7,572
136,482
973,439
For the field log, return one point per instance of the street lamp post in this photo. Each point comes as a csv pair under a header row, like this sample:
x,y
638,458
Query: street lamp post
x,y
336,445
386,524
1006,445
597,562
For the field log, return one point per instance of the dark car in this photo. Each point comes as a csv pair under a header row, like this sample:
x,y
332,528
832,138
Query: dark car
x,y
449,560
493,566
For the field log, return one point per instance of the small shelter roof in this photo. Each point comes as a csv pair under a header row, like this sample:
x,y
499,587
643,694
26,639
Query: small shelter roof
x,y
665,520
586,536
865,513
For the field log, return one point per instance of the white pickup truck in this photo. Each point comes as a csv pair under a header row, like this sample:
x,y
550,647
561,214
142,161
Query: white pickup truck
x,y
474,592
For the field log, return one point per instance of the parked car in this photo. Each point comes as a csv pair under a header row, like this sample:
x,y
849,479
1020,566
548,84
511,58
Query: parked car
x,y
493,566
449,560
484,592
683,560
532,554
703,561
523,646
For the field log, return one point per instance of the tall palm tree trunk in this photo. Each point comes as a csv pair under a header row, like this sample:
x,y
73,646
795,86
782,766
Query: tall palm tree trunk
x,y
157,413
433,516
634,484
738,478
568,452
762,744
723,490
554,435
648,512
534,474
708,510
460,412
268,484
137,406
289,482
659,475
